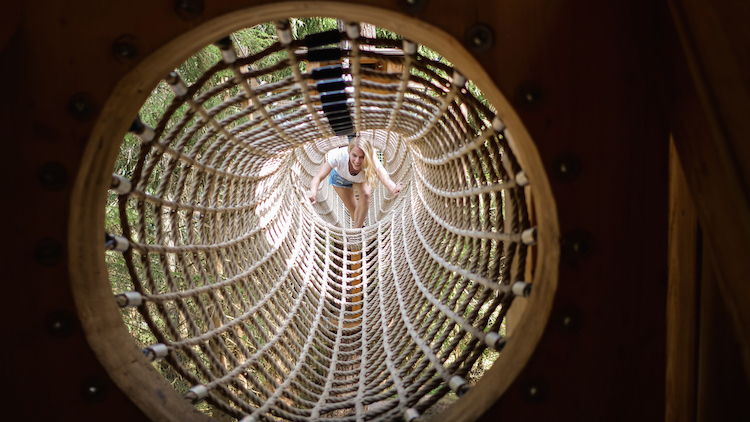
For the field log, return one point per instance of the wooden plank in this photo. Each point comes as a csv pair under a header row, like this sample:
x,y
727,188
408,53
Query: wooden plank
x,y
592,92
9,21
723,393
681,298
708,98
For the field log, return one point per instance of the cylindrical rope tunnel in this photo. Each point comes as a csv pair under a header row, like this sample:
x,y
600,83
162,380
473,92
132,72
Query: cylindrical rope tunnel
x,y
274,309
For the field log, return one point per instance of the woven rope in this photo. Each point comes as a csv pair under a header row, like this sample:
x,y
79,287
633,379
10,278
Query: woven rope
x,y
274,305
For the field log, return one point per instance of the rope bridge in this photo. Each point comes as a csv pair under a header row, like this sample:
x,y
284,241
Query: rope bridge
x,y
274,309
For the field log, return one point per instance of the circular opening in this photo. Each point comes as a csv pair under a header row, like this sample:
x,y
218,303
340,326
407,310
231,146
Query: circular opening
x,y
252,301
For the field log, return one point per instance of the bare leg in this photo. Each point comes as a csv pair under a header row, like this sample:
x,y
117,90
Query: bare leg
x,y
360,212
348,198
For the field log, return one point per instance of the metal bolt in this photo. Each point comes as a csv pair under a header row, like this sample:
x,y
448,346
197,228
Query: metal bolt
x,y
577,245
60,323
126,51
413,6
125,48
528,96
189,9
53,176
566,168
534,390
568,319
480,38
94,389
81,106
48,252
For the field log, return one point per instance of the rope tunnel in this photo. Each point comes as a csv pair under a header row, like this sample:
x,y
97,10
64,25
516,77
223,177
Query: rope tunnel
x,y
276,309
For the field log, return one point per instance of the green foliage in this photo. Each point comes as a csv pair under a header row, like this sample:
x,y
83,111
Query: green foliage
x,y
307,26
387,34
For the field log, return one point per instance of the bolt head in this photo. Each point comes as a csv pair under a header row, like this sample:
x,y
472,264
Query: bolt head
x,y
189,9
53,176
577,245
126,48
61,323
48,252
413,6
82,107
480,38
94,389
568,319
528,96
534,389
566,168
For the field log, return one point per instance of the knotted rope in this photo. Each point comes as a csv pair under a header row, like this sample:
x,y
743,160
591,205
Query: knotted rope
x,y
273,308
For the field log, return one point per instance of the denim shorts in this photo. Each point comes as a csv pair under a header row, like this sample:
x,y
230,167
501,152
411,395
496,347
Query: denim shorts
x,y
336,180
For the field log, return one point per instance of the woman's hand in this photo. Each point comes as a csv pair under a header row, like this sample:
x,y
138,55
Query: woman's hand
x,y
312,194
396,189
315,182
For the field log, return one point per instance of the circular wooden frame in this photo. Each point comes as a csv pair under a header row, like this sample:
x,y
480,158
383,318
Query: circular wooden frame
x,y
98,313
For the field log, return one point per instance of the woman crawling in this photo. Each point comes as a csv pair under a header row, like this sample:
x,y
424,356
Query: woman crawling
x,y
353,167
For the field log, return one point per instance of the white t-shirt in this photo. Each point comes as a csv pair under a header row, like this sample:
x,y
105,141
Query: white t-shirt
x,y
339,160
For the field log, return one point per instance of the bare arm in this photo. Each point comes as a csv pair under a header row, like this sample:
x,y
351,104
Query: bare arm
x,y
325,169
389,184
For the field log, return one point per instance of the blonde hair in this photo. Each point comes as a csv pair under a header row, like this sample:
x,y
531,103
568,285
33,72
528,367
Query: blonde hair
x,y
371,172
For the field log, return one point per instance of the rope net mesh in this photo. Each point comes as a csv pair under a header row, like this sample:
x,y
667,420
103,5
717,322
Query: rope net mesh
x,y
272,308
